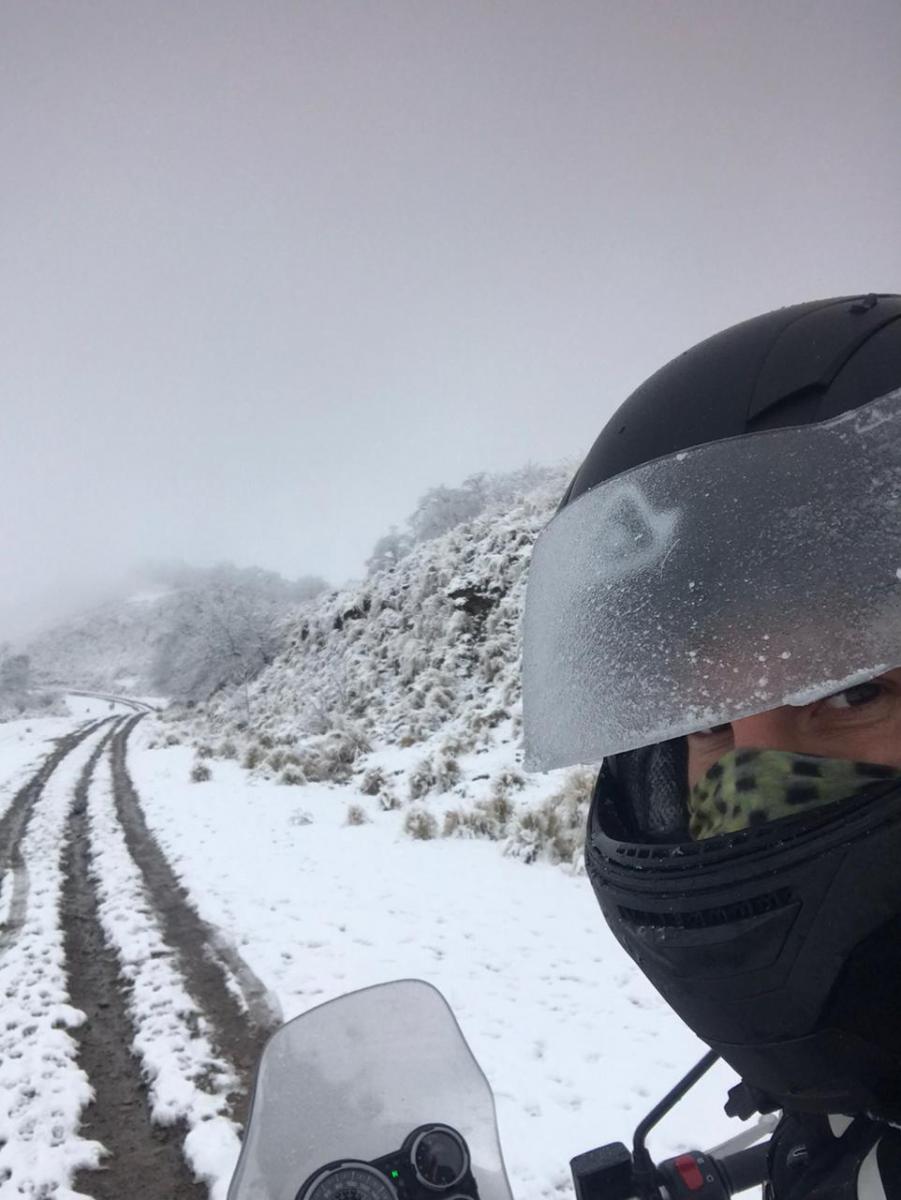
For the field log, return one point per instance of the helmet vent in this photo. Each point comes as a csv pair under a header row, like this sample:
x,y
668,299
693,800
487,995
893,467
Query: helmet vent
x,y
709,918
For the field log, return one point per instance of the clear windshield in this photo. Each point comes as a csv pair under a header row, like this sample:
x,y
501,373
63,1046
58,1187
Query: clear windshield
x,y
713,584
355,1079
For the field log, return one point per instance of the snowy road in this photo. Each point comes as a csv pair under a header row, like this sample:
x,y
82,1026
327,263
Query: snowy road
x,y
127,1042
152,930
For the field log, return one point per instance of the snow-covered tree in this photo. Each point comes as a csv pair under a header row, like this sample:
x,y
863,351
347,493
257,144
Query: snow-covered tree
x,y
388,550
224,630
15,673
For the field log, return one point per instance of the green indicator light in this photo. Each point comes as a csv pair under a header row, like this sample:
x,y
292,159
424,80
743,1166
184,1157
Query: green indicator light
x,y
395,1174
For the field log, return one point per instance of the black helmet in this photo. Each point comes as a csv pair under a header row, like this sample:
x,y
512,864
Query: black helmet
x,y
660,603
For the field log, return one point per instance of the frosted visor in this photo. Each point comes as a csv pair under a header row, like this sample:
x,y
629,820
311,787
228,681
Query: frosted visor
x,y
719,582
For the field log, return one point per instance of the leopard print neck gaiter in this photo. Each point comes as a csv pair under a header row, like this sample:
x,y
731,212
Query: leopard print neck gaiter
x,y
748,787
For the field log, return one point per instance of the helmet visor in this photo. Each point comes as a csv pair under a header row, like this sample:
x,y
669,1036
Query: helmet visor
x,y
713,584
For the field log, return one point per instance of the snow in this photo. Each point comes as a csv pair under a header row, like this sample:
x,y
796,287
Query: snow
x,y
186,1079
412,676
575,1042
42,1088
22,746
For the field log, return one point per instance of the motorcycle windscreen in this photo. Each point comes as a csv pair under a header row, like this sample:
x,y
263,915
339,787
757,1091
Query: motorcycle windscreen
x,y
713,584
352,1079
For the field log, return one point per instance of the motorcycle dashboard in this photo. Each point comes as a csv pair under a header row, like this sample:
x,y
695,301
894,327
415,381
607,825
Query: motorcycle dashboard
x,y
433,1163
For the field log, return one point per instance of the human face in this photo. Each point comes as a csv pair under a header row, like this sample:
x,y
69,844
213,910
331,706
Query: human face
x,y
861,724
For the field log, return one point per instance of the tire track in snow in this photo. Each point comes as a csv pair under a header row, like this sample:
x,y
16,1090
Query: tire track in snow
x,y
43,1090
144,1160
229,995
13,825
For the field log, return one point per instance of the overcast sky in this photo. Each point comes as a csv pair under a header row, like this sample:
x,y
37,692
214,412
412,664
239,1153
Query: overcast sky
x,y
270,269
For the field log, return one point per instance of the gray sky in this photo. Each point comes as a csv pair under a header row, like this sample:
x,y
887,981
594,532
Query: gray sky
x,y
269,270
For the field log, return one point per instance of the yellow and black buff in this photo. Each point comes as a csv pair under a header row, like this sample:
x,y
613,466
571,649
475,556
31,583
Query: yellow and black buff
x,y
748,787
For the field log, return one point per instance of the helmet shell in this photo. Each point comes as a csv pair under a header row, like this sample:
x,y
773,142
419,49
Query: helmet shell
x,y
793,366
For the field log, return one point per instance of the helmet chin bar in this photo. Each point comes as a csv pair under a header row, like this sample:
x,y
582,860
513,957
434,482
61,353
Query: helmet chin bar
x,y
755,940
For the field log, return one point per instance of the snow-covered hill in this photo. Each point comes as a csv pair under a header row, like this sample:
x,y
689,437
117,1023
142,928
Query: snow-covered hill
x,y
407,685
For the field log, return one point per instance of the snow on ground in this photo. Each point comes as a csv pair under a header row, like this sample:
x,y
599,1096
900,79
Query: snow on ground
x,y
42,1088
23,745
575,1043
186,1080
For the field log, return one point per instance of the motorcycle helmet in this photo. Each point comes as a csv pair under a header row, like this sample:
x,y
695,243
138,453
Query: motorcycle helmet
x,y
732,544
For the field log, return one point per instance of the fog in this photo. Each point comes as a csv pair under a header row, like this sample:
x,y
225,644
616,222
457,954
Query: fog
x,y
270,269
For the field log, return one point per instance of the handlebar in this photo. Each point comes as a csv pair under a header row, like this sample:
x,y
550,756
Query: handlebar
x,y
608,1174
699,1176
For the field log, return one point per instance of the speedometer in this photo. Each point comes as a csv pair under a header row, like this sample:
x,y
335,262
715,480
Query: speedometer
x,y
349,1180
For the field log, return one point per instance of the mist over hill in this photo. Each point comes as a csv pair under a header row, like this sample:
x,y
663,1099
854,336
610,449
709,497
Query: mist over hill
x,y
404,686
181,633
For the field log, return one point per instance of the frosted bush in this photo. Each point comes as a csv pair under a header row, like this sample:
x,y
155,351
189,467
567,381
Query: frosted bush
x,y
330,757
447,772
486,819
420,824
506,782
356,815
437,773
421,779
555,830
200,773
292,777
373,781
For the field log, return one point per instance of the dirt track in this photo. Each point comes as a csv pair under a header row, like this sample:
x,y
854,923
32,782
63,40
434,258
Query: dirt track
x,y
144,1160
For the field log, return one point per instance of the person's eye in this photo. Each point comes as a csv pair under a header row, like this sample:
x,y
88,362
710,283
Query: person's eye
x,y
855,697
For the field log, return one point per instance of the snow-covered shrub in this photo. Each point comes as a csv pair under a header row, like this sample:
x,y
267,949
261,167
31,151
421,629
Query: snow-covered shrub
x,y
373,781
420,824
276,760
437,773
555,830
447,772
200,773
507,781
291,777
228,749
253,756
172,739
356,815
300,816
488,818
456,744
388,799
330,757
